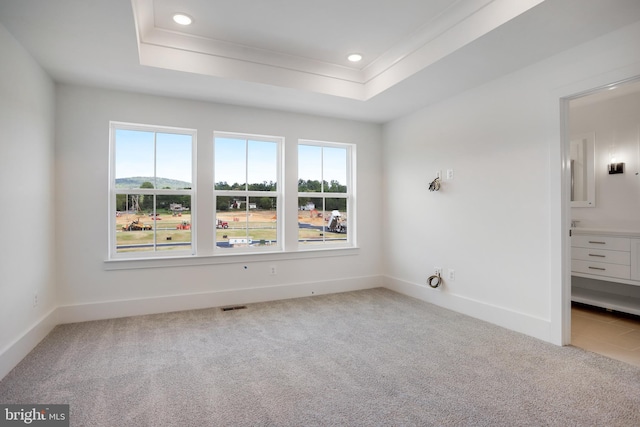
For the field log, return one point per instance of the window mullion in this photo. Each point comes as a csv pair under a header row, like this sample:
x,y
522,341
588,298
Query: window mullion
x,y
322,170
246,165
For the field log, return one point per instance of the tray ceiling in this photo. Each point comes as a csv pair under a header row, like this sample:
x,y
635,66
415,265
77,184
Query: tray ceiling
x,y
304,45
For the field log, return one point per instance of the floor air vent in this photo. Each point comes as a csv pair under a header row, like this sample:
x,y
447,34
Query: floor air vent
x,y
235,307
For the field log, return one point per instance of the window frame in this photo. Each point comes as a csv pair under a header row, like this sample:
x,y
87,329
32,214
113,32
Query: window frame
x,y
349,195
113,192
288,245
278,194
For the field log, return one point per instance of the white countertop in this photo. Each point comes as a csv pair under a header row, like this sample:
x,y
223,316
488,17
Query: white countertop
x,y
606,231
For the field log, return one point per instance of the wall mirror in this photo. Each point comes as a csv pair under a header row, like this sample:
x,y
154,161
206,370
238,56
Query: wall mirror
x,y
583,182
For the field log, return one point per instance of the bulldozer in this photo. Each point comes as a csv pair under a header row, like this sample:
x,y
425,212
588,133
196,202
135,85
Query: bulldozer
x,y
136,225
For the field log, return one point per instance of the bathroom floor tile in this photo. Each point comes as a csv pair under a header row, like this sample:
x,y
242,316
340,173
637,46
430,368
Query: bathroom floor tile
x,y
611,334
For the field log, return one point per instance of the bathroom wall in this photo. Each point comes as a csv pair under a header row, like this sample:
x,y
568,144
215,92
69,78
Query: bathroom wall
x,y
616,125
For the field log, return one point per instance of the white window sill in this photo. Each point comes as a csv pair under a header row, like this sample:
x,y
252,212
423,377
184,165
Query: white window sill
x,y
189,260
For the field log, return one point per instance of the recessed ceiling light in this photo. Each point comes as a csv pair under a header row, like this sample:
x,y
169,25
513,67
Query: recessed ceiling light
x,y
354,57
182,19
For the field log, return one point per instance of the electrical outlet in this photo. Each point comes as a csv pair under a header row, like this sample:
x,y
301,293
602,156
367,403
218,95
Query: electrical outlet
x,y
449,173
35,299
439,174
452,274
273,270
438,270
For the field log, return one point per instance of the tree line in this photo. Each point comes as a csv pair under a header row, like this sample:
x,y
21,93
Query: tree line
x,y
125,202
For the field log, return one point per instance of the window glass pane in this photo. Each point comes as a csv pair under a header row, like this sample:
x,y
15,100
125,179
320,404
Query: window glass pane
x,y
322,220
309,168
146,230
262,165
173,161
230,164
335,215
246,221
231,222
134,230
133,156
334,169
262,221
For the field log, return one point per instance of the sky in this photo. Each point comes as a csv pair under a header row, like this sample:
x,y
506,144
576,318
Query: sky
x,y
314,162
135,155
232,155
134,152
322,163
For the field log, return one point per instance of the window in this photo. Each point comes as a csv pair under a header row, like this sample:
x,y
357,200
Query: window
x,y
152,194
325,194
247,192
151,191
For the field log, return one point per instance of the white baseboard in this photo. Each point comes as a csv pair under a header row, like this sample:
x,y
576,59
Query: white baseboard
x,y
509,319
16,351
165,304
11,356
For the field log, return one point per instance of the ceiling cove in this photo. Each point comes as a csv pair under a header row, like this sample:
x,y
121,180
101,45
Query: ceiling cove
x,y
229,45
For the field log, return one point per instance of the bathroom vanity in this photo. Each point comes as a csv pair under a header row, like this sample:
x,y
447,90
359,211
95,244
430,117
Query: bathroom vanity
x,y
607,256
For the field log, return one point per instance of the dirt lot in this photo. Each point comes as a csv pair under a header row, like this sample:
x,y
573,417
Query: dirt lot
x,y
165,221
260,225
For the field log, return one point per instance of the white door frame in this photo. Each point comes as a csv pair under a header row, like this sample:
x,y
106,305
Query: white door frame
x,y
565,204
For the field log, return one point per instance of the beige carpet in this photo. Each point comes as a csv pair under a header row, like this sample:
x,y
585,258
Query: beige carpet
x,y
362,358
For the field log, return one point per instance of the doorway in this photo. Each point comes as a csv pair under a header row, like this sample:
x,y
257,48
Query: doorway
x,y
603,291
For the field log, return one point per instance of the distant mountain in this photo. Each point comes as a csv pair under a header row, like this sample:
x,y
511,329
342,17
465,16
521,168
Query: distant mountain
x,y
136,182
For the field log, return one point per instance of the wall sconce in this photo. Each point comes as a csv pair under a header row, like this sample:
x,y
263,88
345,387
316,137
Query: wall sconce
x,y
615,167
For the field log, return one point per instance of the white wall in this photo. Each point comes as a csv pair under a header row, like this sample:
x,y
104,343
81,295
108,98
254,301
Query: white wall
x,y
499,222
614,121
26,174
87,290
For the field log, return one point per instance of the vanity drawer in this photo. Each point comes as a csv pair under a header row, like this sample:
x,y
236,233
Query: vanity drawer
x,y
600,255
601,269
601,242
